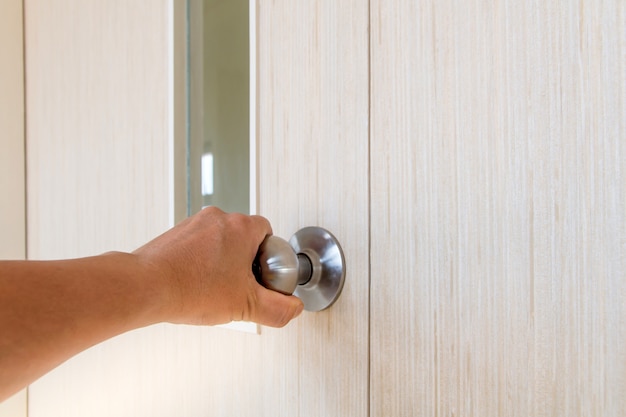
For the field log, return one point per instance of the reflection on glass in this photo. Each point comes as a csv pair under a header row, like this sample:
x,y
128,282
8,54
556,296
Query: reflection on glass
x,y
219,103
207,174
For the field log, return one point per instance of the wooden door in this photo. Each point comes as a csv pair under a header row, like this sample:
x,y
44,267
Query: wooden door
x,y
469,156
498,206
99,148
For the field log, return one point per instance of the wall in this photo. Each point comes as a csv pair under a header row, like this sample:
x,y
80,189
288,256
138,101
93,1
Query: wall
x,y
12,192
12,218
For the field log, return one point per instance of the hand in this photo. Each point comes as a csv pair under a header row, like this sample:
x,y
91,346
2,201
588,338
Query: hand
x,y
206,266
199,272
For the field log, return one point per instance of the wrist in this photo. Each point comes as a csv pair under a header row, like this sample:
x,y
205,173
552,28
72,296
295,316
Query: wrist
x,y
148,287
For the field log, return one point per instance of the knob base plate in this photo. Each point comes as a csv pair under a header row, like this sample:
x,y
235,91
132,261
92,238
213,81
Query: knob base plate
x,y
328,267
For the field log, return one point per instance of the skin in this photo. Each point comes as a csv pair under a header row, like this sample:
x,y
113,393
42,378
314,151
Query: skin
x,y
198,272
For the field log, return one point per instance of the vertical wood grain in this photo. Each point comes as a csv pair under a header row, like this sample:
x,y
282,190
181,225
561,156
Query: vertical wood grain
x,y
99,160
98,144
313,146
499,208
498,205
97,81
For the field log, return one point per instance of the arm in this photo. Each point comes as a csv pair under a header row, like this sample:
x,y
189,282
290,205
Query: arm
x,y
199,272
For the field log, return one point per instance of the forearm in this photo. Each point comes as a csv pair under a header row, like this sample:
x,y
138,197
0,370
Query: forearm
x,y
199,272
51,310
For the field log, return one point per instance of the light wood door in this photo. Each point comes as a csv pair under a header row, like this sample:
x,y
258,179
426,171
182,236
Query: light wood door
x,y
469,156
98,179
498,205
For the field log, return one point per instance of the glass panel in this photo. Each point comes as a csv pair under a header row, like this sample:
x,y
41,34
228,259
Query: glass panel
x,y
218,93
219,105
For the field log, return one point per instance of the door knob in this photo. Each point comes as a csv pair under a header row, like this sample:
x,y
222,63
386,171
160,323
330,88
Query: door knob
x,y
311,266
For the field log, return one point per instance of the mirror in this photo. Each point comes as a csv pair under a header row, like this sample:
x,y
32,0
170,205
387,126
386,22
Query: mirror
x,y
218,87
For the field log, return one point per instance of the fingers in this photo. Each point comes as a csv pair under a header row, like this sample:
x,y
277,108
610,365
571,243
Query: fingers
x,y
209,260
263,223
250,229
275,309
253,225
262,227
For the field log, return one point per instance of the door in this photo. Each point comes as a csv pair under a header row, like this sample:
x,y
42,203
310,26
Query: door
x,y
498,206
312,129
469,157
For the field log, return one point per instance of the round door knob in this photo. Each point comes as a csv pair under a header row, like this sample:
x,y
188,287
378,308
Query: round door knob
x,y
311,266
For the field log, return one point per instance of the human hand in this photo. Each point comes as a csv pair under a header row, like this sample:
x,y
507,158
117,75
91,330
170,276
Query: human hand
x,y
205,263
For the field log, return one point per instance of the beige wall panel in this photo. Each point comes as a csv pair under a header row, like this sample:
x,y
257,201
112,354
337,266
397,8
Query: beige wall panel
x,y
12,179
12,175
15,406
498,208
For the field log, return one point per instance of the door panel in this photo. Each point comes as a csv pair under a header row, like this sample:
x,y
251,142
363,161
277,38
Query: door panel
x,y
98,167
313,146
494,182
97,126
98,179
498,207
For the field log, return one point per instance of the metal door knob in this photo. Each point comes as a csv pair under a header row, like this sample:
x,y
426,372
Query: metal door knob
x,y
311,266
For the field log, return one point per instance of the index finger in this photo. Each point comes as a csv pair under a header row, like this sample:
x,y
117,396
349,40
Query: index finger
x,y
262,227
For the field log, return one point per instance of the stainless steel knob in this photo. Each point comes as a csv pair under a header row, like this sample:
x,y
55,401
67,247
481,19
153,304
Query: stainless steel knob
x,y
311,266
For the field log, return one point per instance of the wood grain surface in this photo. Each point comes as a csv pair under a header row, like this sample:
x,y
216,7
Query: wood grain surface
x,y
498,208
98,164
469,156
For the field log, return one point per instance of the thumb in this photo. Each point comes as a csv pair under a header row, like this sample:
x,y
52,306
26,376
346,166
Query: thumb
x,y
275,309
